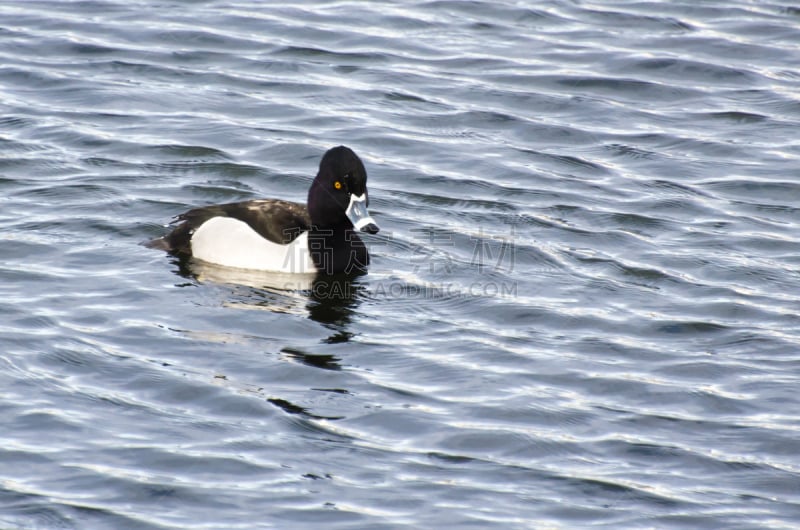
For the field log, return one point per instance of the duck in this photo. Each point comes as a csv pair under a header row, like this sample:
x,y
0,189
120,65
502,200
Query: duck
x,y
321,236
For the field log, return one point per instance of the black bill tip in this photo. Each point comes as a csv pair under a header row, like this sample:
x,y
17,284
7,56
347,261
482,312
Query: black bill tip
x,y
371,228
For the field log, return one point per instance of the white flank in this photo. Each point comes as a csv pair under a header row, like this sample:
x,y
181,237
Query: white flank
x,y
232,243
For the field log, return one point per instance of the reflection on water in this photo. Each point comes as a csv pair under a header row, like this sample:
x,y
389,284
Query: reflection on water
x,y
324,361
272,281
292,408
333,301
327,299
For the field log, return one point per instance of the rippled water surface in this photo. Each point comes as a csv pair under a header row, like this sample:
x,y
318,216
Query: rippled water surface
x,y
582,308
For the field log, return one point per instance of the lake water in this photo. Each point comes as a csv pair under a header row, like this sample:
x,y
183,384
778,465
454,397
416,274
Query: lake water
x,y
582,310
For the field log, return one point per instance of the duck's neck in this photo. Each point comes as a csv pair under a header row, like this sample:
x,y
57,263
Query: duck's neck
x,y
337,249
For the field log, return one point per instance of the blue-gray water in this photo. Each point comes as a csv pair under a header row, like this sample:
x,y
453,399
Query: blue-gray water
x,y
582,308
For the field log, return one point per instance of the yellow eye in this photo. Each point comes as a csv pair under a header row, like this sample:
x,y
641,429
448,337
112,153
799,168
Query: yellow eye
x,y
337,185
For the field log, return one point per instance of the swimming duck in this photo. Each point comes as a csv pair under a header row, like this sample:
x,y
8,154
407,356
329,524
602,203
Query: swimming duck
x,y
284,236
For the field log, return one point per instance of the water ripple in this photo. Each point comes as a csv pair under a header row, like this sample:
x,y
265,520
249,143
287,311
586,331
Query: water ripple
x,y
586,272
